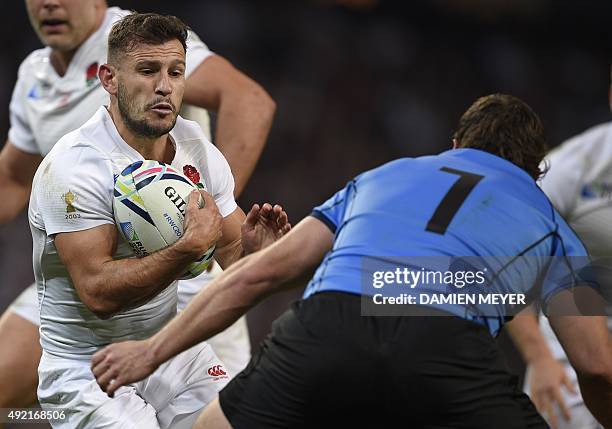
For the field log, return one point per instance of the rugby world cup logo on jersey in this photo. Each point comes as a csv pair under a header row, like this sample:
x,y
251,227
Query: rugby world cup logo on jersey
x,y
596,190
70,198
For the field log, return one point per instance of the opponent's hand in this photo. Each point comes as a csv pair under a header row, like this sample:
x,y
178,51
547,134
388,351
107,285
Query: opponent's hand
x,y
122,363
547,376
202,226
263,226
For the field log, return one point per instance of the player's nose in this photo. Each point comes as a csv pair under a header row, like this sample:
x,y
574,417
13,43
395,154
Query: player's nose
x,y
163,85
51,4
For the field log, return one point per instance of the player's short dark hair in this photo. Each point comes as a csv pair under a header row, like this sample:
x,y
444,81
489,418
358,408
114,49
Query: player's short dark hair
x,y
144,29
507,127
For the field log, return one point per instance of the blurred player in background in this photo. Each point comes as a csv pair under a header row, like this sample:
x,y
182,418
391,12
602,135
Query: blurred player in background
x,y
579,184
327,365
56,92
88,302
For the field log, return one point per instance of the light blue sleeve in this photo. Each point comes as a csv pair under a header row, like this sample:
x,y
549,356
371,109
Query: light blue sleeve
x,y
332,211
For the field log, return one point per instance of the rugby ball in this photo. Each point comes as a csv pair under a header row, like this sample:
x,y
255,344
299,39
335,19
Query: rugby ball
x,y
150,199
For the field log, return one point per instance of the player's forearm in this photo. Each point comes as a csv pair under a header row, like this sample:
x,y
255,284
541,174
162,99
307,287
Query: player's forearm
x,y
17,169
525,332
229,254
211,311
14,197
244,119
126,283
245,283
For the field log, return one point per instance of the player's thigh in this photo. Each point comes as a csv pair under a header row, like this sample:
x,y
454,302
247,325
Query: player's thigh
x,y
212,418
20,345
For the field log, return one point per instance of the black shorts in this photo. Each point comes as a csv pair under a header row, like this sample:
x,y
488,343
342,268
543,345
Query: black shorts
x,y
324,365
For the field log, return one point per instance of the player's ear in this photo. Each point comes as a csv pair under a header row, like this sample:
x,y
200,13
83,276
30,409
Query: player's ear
x,y
107,75
455,143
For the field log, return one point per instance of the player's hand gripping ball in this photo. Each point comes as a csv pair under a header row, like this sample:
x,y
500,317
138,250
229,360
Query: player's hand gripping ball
x,y
149,204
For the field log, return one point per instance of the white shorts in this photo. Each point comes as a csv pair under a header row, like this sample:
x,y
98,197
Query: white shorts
x,y
232,346
172,397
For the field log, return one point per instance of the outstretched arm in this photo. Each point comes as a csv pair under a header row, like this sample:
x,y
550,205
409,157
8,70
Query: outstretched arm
x,y
216,307
244,113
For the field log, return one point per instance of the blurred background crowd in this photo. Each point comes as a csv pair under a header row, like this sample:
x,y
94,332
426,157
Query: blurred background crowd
x,y
360,82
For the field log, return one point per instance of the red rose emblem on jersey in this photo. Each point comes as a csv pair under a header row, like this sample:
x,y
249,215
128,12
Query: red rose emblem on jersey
x,y
191,172
91,74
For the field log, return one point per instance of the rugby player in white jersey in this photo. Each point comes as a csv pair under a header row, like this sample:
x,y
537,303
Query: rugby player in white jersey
x,y
89,302
579,184
57,91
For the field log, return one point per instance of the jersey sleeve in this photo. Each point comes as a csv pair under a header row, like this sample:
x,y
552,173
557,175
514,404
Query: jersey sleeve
x,y
75,191
20,133
222,181
197,51
331,212
562,182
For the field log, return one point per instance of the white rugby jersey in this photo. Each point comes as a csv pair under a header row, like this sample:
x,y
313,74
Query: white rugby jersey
x,y
579,184
45,106
73,191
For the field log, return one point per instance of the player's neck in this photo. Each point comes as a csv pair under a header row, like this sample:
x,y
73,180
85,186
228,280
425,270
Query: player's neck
x,y
60,60
157,148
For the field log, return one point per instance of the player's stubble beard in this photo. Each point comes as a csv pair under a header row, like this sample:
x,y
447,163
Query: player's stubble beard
x,y
129,113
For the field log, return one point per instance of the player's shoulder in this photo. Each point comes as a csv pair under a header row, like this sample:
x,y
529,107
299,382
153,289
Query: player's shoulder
x,y
73,160
396,165
35,60
72,146
589,143
114,14
83,141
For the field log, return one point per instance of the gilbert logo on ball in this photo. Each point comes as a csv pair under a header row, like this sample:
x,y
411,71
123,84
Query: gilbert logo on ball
x,y
150,199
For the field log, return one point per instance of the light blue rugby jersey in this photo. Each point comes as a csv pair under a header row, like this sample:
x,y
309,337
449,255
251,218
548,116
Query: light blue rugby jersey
x,y
461,203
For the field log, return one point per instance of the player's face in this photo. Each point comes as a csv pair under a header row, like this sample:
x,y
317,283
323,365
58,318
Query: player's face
x,y
64,24
150,86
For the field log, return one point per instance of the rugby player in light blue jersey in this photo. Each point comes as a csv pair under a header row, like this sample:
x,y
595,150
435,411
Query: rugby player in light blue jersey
x,y
327,364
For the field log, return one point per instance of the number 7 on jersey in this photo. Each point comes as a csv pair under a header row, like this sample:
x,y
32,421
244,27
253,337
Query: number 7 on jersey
x,y
453,199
